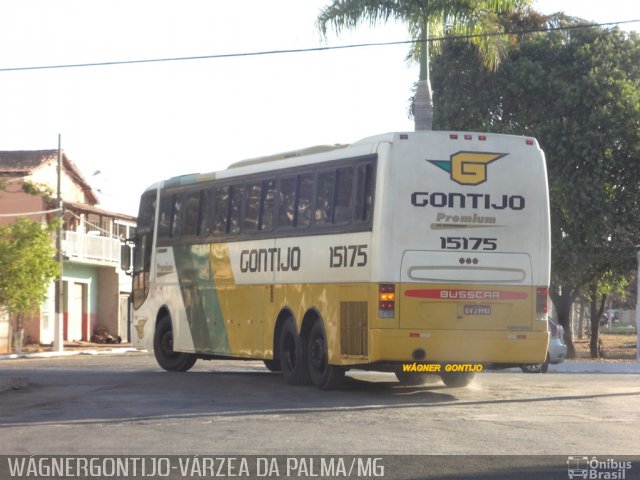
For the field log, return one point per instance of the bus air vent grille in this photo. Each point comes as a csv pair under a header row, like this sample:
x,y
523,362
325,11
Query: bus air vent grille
x,y
354,328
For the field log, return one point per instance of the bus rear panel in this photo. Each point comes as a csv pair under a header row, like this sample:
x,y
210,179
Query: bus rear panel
x,y
464,240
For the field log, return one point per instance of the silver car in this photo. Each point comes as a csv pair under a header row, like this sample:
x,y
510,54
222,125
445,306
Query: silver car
x,y
556,351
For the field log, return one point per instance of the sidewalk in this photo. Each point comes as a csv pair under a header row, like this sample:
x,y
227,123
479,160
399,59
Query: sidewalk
x,y
568,366
596,366
84,348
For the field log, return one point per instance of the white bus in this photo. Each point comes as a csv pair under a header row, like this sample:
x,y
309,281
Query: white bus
x,y
428,248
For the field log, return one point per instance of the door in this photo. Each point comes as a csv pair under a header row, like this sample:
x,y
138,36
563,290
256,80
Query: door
x,y
76,320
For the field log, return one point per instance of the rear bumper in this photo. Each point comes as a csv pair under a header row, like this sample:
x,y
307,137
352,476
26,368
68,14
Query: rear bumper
x,y
399,345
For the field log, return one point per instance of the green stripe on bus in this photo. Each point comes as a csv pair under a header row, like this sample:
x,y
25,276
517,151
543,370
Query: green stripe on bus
x,y
199,295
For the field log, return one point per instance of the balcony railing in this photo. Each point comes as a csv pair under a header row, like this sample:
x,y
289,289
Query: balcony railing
x,y
90,248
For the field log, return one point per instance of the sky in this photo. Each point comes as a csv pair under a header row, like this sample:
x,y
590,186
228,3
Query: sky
x,y
140,123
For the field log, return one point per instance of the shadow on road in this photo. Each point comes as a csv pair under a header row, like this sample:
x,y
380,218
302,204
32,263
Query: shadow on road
x,y
119,390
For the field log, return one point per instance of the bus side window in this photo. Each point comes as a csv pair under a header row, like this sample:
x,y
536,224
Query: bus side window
x,y
364,193
166,212
235,207
344,189
287,203
142,250
204,215
191,208
305,196
220,209
176,219
252,207
324,198
268,205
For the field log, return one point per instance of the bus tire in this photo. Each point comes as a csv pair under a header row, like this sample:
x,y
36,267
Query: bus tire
x,y
457,379
293,355
412,378
273,365
323,375
163,348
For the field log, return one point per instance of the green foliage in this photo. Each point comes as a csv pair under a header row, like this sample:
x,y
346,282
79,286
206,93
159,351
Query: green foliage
x,y
427,19
27,265
578,93
38,189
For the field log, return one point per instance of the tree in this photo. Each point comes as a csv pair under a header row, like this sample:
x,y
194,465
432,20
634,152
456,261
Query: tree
x,y
598,293
27,266
427,19
578,92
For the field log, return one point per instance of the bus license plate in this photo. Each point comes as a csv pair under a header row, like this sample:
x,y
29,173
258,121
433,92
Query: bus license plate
x,y
477,309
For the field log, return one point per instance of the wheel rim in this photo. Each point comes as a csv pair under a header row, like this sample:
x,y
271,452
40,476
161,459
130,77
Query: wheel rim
x,y
289,352
317,355
166,344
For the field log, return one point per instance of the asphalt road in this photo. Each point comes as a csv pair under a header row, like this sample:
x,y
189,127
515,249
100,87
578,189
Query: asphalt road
x,y
125,404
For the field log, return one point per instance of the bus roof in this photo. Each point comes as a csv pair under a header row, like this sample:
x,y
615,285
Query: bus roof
x,y
293,157
290,154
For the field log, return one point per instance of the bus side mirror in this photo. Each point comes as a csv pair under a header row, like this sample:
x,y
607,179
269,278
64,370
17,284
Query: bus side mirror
x,y
125,258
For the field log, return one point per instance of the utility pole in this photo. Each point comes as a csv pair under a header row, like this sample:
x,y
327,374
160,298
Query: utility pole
x,y
58,335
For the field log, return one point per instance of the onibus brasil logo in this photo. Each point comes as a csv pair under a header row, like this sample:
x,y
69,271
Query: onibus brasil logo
x,y
468,168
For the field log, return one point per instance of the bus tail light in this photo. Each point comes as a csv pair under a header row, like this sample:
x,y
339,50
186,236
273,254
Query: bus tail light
x,y
386,300
542,303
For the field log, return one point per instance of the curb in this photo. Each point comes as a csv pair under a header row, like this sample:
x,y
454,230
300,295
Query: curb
x,y
596,367
564,367
67,353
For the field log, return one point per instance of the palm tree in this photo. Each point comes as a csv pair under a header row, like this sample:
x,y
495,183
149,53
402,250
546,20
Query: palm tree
x,y
427,19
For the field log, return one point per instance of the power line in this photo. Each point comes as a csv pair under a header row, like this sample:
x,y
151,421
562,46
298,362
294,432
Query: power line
x,y
306,50
24,214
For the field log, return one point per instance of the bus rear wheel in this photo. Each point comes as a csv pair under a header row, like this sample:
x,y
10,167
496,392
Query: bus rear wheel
x,y
273,365
413,378
293,355
163,349
457,379
323,375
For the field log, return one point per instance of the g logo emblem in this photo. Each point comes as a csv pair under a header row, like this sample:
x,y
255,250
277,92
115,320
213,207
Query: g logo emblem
x,y
468,168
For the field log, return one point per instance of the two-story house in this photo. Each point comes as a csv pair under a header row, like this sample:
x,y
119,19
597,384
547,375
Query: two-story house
x,y
96,290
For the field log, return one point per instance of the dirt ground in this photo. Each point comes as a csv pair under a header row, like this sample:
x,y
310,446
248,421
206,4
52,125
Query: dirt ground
x,y
614,346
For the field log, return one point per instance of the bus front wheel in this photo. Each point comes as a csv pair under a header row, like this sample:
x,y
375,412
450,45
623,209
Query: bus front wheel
x,y
293,355
163,349
323,375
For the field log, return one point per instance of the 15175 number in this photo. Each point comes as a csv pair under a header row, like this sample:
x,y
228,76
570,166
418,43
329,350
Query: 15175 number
x,y
348,256
472,243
